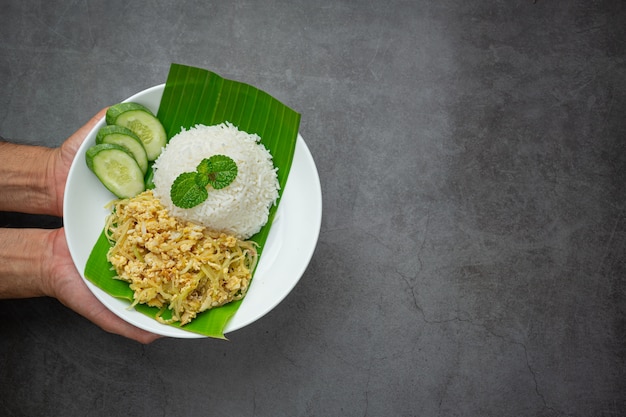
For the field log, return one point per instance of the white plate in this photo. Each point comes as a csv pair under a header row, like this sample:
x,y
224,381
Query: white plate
x,y
286,255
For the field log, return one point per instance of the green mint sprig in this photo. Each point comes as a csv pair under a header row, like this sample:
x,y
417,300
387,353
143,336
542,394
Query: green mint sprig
x,y
190,188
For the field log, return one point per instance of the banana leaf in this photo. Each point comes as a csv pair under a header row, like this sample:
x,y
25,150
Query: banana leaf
x,y
196,96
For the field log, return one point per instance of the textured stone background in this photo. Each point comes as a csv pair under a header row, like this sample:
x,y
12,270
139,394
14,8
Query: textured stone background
x,y
472,159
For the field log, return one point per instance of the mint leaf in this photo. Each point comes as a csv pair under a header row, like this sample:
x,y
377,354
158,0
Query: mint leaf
x,y
186,193
220,170
190,188
204,167
202,180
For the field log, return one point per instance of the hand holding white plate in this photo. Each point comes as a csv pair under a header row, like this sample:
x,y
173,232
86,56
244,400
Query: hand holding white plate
x,y
287,253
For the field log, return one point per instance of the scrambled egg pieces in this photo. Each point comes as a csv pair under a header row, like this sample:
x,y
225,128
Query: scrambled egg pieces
x,y
176,265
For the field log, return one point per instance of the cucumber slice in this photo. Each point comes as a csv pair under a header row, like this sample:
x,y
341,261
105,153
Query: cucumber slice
x,y
142,122
116,168
125,137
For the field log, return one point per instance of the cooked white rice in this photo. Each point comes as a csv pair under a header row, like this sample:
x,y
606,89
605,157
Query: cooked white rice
x,y
241,208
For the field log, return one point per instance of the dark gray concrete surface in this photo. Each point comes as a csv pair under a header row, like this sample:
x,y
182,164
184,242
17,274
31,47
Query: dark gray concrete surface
x,y
472,160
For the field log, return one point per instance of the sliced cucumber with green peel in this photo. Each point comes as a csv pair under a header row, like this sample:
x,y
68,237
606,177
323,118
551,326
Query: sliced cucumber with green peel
x,y
116,168
125,137
142,122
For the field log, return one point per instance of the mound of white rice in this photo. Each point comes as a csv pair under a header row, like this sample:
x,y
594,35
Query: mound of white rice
x,y
242,207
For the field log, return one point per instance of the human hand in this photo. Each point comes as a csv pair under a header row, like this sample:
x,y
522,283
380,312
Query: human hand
x,y
37,262
63,282
62,158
